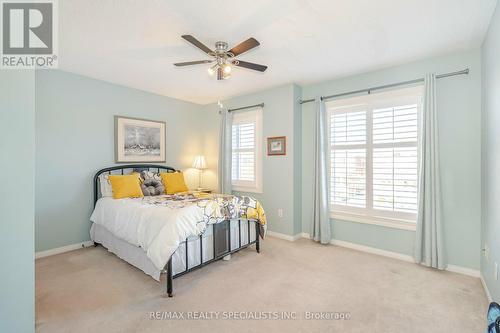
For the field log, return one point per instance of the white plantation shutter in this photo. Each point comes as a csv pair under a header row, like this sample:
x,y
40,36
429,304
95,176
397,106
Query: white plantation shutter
x,y
243,151
374,155
348,158
395,179
246,143
395,158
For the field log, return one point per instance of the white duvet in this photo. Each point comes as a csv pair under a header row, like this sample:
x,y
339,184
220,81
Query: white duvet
x,y
158,230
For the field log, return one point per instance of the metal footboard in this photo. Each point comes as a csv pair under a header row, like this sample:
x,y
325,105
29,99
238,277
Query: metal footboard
x,y
217,256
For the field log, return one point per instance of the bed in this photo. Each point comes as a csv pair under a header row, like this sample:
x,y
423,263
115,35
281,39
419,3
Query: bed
x,y
172,235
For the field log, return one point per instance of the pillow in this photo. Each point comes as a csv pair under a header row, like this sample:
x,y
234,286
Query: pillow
x,y
174,182
127,186
152,186
106,189
105,184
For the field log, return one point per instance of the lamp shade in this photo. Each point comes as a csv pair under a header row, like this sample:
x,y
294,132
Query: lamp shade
x,y
199,162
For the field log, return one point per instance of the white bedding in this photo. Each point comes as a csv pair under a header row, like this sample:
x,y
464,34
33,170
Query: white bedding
x,y
137,257
158,230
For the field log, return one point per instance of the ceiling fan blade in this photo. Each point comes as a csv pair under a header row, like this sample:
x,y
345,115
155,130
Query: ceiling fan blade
x,y
242,47
188,63
197,43
250,65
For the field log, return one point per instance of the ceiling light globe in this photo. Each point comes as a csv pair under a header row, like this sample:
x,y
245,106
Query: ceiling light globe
x,y
210,71
227,69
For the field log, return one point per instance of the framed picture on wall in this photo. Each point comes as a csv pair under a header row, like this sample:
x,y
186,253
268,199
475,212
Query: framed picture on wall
x,y
139,140
276,145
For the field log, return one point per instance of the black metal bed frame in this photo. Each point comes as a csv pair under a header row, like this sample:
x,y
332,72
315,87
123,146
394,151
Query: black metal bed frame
x,y
215,228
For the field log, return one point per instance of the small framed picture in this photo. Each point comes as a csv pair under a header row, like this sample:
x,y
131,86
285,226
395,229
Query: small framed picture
x,y
139,140
276,145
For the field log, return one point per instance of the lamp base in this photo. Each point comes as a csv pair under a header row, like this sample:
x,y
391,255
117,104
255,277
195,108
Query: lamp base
x,y
200,179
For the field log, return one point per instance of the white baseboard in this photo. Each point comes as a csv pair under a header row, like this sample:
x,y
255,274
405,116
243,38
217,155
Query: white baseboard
x,y
464,270
305,235
372,250
63,249
404,257
485,287
283,236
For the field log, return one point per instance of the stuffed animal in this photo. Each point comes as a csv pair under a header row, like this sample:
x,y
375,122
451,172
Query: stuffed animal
x,y
152,187
151,183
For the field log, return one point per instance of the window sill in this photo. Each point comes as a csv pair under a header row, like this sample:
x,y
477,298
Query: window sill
x,y
246,189
380,221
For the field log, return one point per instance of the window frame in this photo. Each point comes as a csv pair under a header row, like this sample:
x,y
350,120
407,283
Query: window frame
x,y
371,102
241,117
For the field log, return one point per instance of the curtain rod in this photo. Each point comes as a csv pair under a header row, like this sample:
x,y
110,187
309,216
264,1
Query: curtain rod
x,y
246,107
369,90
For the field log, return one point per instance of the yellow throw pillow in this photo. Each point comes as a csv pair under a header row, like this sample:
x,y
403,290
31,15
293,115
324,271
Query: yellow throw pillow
x,y
127,186
173,182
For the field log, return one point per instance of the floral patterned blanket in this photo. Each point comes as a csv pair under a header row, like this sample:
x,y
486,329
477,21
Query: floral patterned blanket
x,y
215,207
170,219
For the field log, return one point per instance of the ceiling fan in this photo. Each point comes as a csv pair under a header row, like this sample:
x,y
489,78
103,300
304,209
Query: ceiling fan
x,y
223,60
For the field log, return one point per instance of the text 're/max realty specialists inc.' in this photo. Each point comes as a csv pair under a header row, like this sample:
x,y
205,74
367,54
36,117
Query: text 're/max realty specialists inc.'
x,y
248,315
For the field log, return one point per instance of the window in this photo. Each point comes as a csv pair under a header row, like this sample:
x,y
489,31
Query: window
x,y
246,151
374,147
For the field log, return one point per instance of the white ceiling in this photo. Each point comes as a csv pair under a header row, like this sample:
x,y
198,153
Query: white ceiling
x,y
135,43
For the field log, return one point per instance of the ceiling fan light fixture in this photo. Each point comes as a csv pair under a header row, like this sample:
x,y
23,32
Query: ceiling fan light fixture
x,y
227,69
223,59
211,70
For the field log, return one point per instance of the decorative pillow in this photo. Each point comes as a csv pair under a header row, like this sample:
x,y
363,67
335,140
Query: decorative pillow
x,y
152,186
174,182
105,184
127,186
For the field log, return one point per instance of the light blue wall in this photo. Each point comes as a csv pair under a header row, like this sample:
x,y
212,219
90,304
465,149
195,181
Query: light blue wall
x,y
459,105
491,154
17,144
75,138
279,119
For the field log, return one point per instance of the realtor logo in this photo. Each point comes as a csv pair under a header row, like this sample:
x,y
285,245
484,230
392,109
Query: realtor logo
x,y
29,34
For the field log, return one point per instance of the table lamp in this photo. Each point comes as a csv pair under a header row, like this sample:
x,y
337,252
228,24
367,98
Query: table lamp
x,y
200,164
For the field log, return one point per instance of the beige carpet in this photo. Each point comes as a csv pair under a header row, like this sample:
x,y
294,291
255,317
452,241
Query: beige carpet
x,y
91,290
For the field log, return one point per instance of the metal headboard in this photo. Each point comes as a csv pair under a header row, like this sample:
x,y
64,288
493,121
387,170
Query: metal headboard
x,y
137,167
